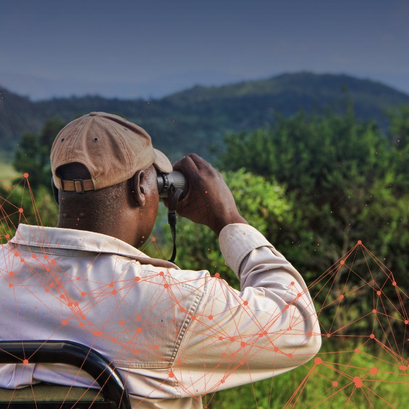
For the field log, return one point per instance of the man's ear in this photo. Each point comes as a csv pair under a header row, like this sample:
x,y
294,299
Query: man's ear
x,y
139,187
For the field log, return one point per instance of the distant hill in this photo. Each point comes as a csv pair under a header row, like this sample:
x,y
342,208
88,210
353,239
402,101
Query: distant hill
x,y
196,119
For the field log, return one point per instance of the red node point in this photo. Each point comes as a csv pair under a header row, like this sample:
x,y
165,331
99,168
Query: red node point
x,y
290,355
406,322
156,346
358,382
224,354
292,283
81,324
137,278
342,296
359,242
402,368
25,175
46,290
153,239
48,269
241,362
97,333
243,344
205,191
217,275
178,362
25,362
139,318
171,375
135,351
374,311
53,262
265,333
394,283
335,383
45,257
64,322
298,295
161,273
113,292
20,210
318,361
245,303
11,274
378,293
286,307
139,330
372,336
166,285
220,338
342,262
16,254
121,322
231,339
113,339
210,317
328,335
83,294
356,350
373,370
10,285
182,309
111,285
33,256
276,349
309,334
222,381
7,236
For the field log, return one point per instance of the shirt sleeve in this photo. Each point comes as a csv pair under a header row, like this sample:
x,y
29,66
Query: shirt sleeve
x,y
266,329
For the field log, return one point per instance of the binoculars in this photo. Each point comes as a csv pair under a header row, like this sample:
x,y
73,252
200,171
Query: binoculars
x,y
170,182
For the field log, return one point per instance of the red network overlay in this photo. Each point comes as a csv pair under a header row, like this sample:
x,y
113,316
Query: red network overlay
x,y
362,310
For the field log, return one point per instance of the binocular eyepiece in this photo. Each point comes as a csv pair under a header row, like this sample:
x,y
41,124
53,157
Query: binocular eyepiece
x,y
172,181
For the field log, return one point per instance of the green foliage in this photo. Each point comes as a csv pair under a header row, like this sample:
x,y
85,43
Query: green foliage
x,y
33,153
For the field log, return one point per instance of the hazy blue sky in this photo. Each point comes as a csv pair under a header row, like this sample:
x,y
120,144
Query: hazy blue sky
x,y
153,47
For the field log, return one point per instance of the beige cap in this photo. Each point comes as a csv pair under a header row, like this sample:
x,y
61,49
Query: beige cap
x,y
112,149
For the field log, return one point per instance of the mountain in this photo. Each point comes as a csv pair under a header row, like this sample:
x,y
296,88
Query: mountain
x,y
196,119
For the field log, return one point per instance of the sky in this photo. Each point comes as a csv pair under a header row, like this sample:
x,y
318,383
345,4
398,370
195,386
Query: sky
x,y
152,48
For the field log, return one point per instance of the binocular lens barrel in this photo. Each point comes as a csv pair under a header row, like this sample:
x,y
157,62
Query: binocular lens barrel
x,y
175,179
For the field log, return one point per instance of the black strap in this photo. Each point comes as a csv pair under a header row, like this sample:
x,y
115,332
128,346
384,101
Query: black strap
x,y
173,198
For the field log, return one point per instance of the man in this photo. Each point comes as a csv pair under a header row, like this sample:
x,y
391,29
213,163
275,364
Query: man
x,y
174,334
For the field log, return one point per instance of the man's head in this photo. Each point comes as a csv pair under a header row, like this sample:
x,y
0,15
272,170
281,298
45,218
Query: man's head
x,y
104,168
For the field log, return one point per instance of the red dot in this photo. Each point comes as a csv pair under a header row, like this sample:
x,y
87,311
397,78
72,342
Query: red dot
x,y
341,296
394,283
373,370
290,355
335,383
245,303
372,336
276,349
232,339
342,262
137,278
406,322
171,375
64,322
402,368
318,361
359,241
210,317
166,285
46,290
243,344
378,292
83,294
135,351
358,382
11,274
20,210
81,324
25,175
121,322
292,283
357,350
139,330
328,335
309,334
178,362
25,362
53,262
374,311
217,275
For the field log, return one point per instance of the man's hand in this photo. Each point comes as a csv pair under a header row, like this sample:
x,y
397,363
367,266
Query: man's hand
x,y
209,200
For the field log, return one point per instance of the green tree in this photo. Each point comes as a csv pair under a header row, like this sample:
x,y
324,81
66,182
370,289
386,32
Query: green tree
x,y
33,153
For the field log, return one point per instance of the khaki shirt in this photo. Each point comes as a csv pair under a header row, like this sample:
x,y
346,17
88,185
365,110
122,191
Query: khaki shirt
x,y
175,335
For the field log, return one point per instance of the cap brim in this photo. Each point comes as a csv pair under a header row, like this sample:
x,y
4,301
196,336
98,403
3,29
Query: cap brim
x,y
162,162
